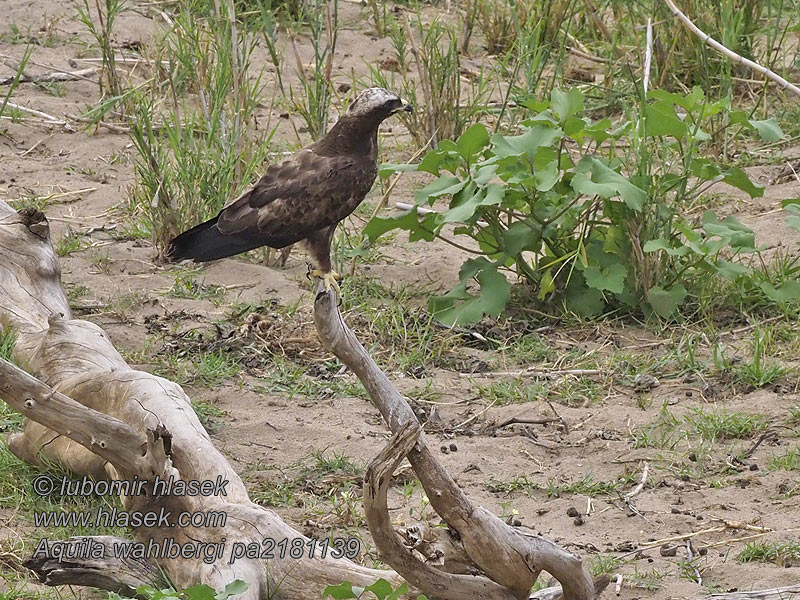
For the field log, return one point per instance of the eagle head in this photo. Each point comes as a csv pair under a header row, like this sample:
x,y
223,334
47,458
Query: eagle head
x,y
378,102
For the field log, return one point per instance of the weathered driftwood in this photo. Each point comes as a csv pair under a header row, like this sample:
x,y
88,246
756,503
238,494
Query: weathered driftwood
x,y
121,575
508,556
87,409
91,412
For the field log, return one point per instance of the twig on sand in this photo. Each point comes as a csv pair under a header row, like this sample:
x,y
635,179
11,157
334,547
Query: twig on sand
x,y
537,373
518,421
725,525
630,495
475,416
640,487
54,76
730,53
37,113
109,126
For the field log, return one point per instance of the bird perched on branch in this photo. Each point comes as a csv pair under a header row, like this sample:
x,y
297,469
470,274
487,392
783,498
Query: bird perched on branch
x,y
303,197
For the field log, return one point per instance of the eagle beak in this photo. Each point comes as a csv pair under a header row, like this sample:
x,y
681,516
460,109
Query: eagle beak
x,y
405,108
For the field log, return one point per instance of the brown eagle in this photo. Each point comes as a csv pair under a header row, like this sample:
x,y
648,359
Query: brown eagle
x,y
303,197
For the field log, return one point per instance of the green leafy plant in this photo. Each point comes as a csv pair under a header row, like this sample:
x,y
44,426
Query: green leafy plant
x,y
314,100
381,589
196,592
589,214
445,107
102,30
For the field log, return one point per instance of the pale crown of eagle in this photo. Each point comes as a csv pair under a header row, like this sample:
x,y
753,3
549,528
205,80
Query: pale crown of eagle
x,y
303,197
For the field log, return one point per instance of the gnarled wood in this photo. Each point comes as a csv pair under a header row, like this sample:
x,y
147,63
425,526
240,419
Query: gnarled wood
x,y
88,409
91,412
508,556
120,575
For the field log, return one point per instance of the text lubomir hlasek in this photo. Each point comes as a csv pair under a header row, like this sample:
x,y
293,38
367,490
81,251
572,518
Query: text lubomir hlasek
x,y
137,487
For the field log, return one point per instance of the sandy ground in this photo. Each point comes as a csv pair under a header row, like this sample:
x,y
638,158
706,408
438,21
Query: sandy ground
x,y
265,434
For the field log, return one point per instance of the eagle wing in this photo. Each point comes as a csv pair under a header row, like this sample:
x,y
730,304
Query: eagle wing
x,y
297,196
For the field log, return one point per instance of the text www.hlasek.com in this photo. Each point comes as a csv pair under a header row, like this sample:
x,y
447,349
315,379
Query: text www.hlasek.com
x,y
120,518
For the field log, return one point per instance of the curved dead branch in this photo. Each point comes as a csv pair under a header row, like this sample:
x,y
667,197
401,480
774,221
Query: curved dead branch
x,y
434,582
506,555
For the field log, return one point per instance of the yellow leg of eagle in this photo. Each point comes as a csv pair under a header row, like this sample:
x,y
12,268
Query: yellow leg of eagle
x,y
318,244
330,280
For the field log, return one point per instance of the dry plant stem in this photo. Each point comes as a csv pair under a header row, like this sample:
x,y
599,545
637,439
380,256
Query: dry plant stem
x,y
109,421
536,373
506,555
37,113
730,53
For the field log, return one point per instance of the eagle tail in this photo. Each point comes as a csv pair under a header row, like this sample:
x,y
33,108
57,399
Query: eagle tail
x,y
206,242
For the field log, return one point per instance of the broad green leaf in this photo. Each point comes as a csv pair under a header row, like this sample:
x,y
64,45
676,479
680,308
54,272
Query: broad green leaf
x,y
342,591
566,104
584,301
738,178
201,591
459,307
787,293
575,128
686,101
234,588
547,177
436,160
656,245
521,236
611,278
528,143
606,183
400,591
769,129
472,141
488,196
793,220
380,588
446,185
536,106
486,171
408,221
666,302
388,169
731,270
661,120
739,236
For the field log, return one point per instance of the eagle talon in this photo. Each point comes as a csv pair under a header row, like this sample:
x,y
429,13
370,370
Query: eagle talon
x,y
329,280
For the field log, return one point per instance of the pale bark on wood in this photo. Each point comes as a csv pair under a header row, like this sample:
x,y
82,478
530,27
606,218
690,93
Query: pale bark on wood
x,y
91,412
508,556
121,575
87,409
